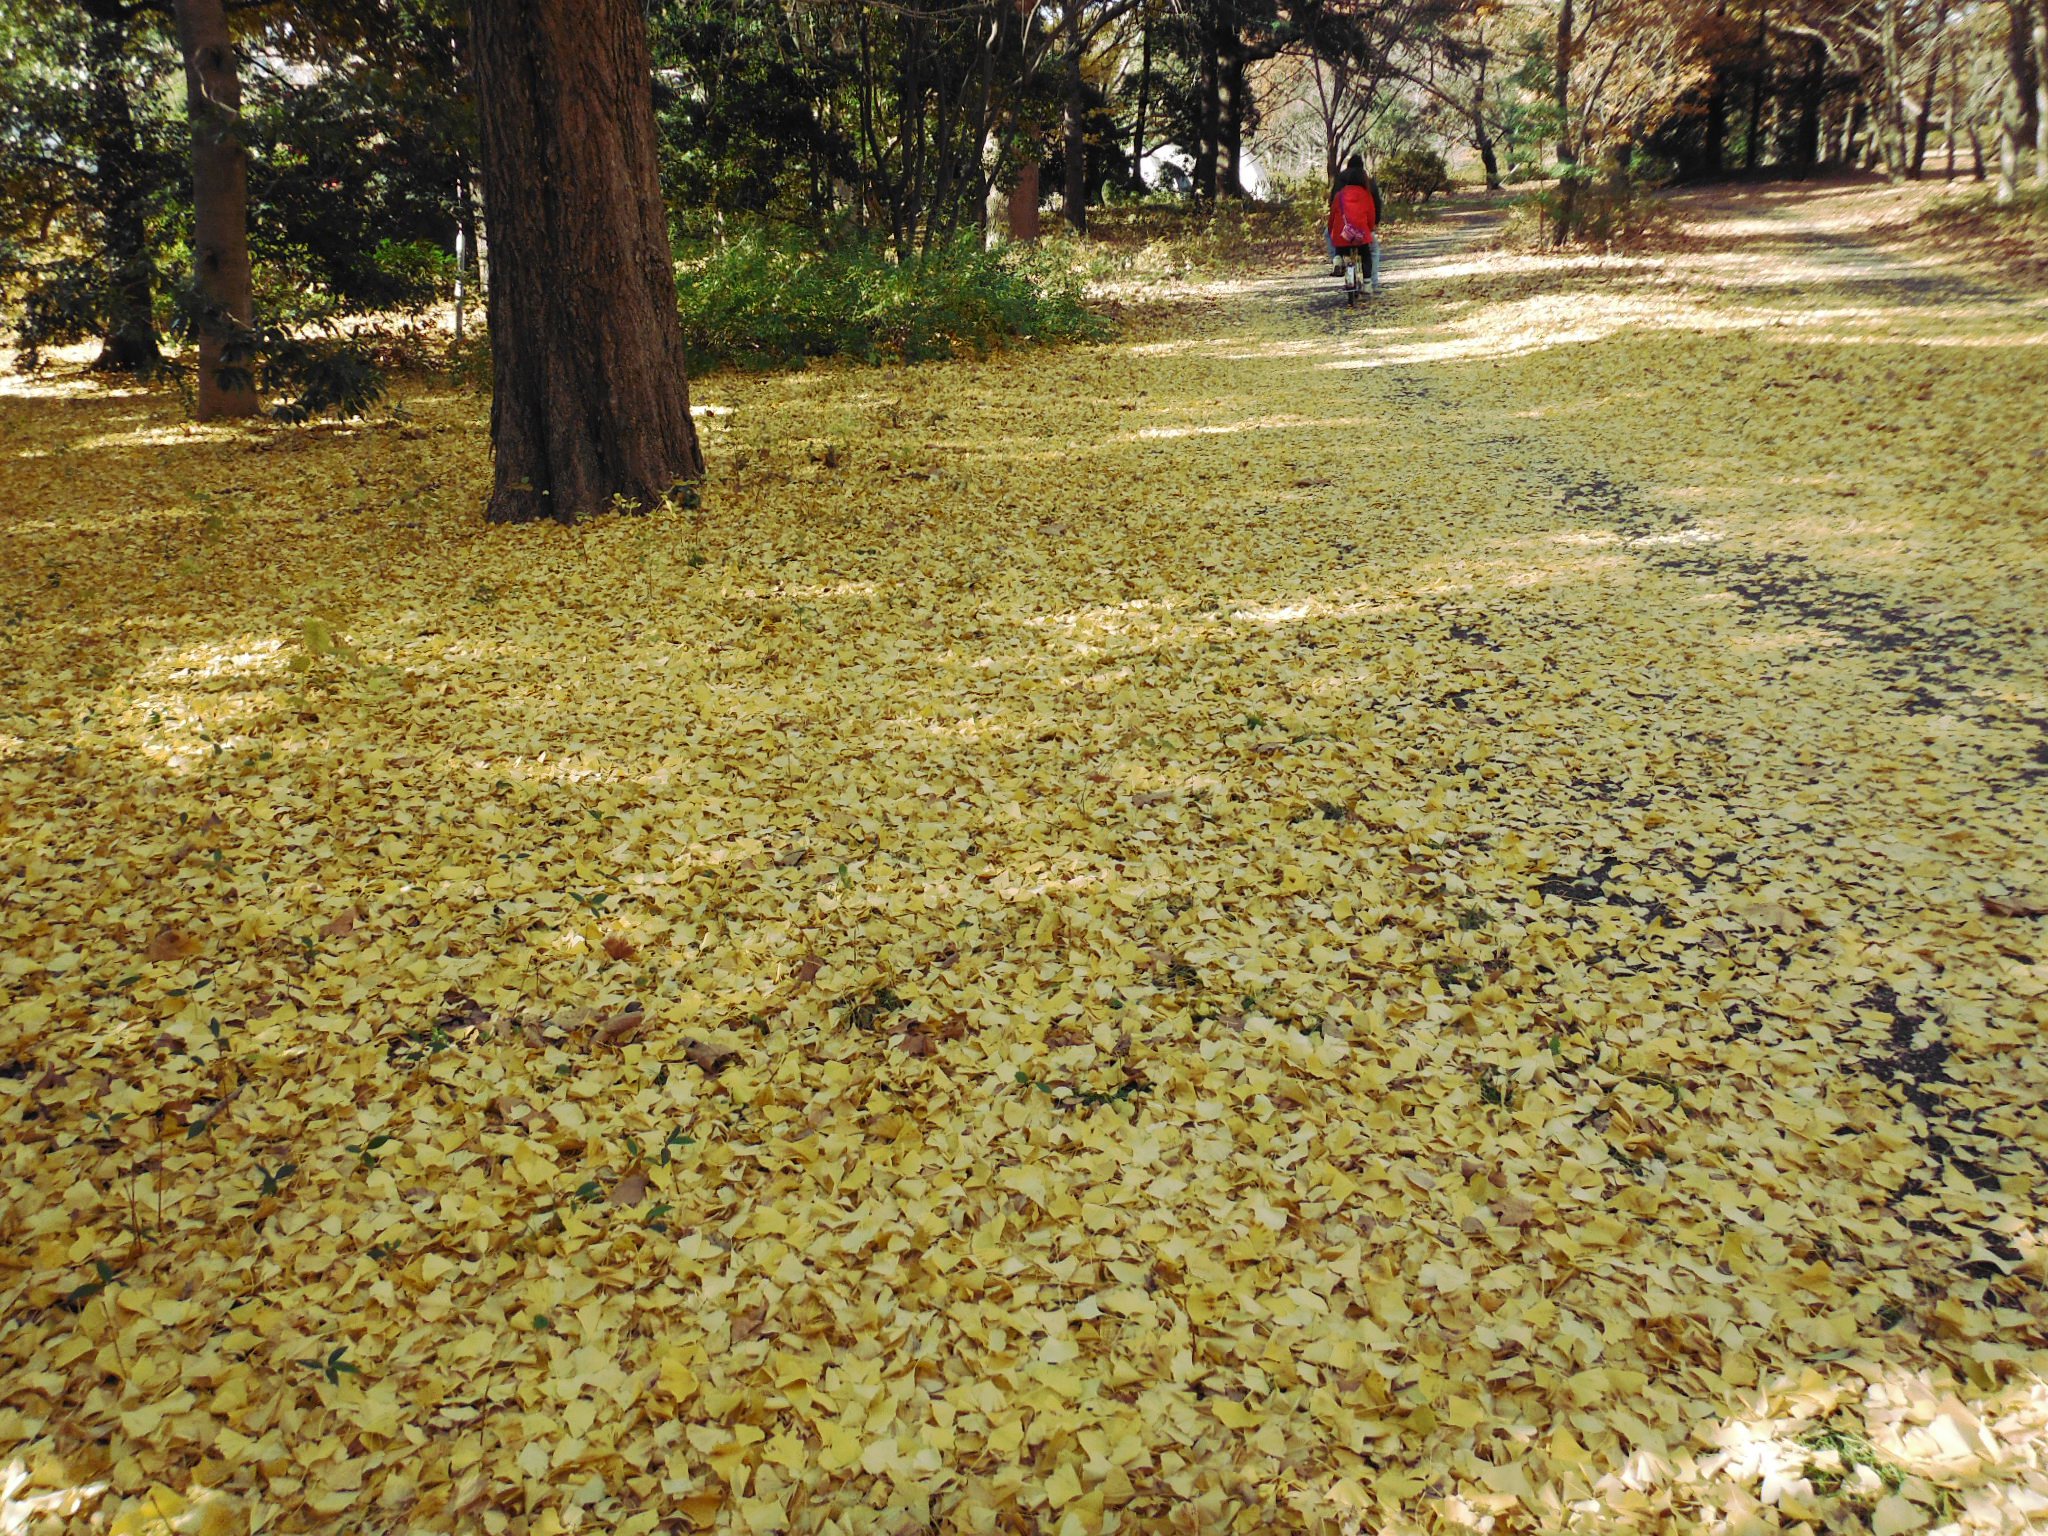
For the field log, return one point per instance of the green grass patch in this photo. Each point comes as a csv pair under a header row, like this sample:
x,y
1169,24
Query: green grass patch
x,y
761,300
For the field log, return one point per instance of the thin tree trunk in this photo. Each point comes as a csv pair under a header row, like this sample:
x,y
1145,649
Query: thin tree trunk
x,y
1075,198
1489,157
1976,154
1955,98
2009,134
465,245
1482,140
1209,86
1144,102
2041,93
1567,155
1892,120
1811,90
220,210
591,404
1923,119
1757,66
129,344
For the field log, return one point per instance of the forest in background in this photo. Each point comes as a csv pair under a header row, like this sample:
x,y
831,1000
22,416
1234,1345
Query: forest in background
x,y
858,157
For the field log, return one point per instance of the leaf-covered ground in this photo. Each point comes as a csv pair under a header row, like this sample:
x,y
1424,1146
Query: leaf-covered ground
x,y
1308,920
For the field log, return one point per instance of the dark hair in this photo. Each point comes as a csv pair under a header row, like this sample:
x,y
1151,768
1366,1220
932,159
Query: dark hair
x,y
1355,166
1353,174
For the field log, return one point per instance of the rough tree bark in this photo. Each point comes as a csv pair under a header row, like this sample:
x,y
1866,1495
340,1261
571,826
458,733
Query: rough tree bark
x,y
220,209
1209,87
1024,197
591,405
2015,99
130,344
1230,126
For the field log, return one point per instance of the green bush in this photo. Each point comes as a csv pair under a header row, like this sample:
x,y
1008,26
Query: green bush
x,y
1413,176
763,301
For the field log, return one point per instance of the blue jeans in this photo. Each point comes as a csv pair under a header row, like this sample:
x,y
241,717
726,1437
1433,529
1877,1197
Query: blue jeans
x,y
1373,260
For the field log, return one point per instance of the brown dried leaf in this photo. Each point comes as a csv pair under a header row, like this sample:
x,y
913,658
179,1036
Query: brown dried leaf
x,y
2015,906
172,943
713,1058
620,1026
619,947
631,1190
339,926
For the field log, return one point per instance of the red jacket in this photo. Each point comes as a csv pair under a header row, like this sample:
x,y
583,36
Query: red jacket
x,y
1352,216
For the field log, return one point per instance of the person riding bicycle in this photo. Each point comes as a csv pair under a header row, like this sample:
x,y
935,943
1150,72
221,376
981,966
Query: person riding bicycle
x,y
1354,218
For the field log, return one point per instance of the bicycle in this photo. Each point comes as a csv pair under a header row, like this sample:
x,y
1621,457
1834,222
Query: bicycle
x,y
1353,259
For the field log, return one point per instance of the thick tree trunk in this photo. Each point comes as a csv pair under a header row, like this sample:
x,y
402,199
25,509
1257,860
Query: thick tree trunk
x,y
220,210
1230,128
130,344
591,404
1714,155
1024,198
2014,129
1074,198
1209,86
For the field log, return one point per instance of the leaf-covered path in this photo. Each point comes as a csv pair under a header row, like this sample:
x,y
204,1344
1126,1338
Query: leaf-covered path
x,y
1413,915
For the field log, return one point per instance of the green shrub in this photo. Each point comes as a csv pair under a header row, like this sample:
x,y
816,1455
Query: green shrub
x,y
1413,176
762,301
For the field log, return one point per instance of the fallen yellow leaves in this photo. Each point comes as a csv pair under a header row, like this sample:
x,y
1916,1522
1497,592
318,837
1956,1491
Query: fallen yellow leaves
x,y
1140,977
